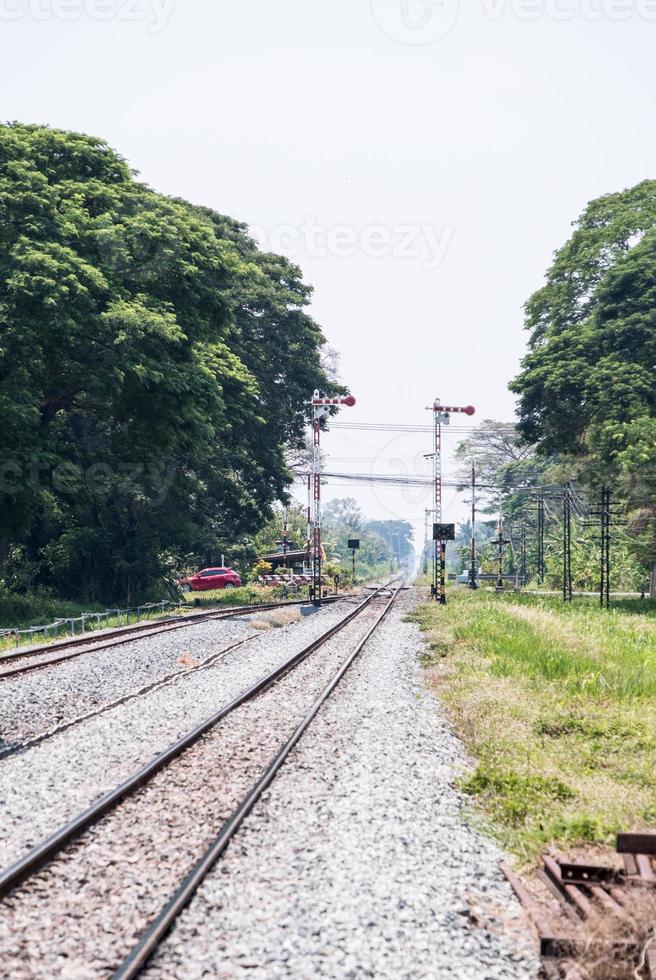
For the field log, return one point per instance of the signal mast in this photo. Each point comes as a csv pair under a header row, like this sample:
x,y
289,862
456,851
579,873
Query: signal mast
x,y
441,532
320,407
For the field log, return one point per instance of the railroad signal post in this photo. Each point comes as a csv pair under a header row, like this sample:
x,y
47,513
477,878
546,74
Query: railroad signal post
x,y
353,545
441,416
441,534
320,408
473,570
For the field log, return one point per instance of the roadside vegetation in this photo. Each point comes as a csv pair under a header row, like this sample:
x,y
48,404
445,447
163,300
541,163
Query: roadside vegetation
x,y
557,707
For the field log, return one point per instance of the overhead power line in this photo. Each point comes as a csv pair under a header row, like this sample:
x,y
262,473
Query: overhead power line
x,y
416,481
391,427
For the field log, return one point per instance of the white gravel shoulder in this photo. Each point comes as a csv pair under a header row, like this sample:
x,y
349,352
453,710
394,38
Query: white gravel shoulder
x,y
360,862
50,783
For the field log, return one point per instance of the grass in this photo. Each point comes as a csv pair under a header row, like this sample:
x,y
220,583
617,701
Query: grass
x,y
557,707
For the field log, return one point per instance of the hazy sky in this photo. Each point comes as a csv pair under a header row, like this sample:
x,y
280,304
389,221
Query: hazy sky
x,y
420,161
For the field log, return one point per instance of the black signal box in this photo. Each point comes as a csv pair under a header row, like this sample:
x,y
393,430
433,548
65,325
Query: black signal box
x,y
444,532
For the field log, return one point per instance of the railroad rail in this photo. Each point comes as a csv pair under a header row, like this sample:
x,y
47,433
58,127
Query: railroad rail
x,y
119,637
164,681
46,850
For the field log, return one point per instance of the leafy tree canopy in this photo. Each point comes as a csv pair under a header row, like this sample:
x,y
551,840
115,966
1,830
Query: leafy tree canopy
x,y
592,342
587,387
153,369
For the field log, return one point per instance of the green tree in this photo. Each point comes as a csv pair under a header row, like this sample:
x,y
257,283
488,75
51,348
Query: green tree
x,y
586,388
153,369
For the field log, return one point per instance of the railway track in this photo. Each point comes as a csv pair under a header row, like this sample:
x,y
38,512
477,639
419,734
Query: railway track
x,y
153,935
23,661
173,677
195,766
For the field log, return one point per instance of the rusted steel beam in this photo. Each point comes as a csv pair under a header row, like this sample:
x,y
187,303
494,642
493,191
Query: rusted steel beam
x,y
559,895
535,914
630,864
566,947
571,892
590,874
645,869
608,902
637,842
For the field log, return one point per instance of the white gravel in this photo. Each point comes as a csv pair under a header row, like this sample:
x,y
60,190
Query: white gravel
x,y
360,862
53,781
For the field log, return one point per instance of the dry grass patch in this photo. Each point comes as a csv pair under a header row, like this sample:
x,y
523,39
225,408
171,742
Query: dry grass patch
x,y
604,958
276,619
284,617
261,624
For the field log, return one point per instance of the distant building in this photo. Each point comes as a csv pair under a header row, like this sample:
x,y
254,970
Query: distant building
x,y
295,559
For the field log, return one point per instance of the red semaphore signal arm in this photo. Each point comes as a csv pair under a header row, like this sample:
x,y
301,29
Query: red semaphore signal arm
x,y
467,410
349,401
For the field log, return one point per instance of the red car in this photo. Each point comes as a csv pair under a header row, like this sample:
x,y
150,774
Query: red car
x,y
211,578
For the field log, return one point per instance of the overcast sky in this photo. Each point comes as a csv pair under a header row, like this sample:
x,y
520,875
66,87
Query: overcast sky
x,y
420,161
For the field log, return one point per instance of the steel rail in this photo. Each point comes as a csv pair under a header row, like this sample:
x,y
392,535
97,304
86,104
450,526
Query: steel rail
x,y
212,661
39,855
91,636
127,636
159,928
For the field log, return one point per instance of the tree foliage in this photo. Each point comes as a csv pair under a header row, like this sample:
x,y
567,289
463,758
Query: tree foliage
x,y
587,386
592,341
379,540
153,369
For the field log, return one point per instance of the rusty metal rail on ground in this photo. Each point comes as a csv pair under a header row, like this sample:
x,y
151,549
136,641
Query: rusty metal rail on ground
x,y
593,913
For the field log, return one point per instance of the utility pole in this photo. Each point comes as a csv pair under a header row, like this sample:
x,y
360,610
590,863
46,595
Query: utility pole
x,y
541,562
605,516
567,542
426,539
390,539
473,570
523,561
501,542
320,407
607,519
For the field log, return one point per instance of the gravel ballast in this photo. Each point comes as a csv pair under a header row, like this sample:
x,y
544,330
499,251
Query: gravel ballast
x,y
86,908
53,781
360,861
